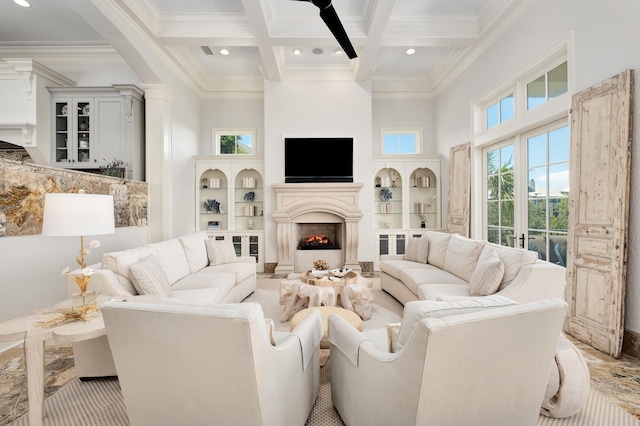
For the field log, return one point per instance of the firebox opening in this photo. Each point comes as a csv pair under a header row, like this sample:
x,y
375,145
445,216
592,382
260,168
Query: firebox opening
x,y
319,236
317,242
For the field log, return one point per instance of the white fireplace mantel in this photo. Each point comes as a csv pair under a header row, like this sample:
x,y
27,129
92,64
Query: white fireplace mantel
x,y
297,202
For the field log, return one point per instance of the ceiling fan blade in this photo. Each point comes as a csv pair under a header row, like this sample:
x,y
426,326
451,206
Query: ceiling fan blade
x,y
330,17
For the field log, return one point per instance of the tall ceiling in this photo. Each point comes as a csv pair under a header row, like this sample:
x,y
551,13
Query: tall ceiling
x,y
261,37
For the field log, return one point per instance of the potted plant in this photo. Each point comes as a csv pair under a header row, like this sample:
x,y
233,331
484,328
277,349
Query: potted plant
x,y
115,168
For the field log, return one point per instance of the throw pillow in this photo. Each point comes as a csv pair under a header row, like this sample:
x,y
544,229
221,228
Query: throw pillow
x,y
220,252
488,274
417,250
148,277
195,250
270,328
462,256
392,335
416,311
513,259
438,242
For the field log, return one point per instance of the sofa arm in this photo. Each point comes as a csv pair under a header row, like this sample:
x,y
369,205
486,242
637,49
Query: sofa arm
x,y
103,282
309,333
246,259
537,281
349,341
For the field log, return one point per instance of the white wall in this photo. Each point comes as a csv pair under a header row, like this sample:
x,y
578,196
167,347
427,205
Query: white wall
x,y
606,35
394,112
317,109
185,143
231,114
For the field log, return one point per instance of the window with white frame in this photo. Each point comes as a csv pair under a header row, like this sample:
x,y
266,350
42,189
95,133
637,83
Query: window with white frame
x,y
234,141
525,165
501,111
401,141
549,85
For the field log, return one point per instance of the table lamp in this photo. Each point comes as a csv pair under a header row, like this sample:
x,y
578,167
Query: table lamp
x,y
69,215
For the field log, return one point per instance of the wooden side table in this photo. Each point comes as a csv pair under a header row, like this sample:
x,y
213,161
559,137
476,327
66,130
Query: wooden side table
x,y
28,328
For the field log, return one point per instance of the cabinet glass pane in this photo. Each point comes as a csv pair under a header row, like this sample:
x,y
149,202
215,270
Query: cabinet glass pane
x,y
384,244
84,132
237,244
253,246
62,131
400,244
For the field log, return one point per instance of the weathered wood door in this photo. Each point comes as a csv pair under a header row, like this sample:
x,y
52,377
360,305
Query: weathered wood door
x,y
601,126
459,189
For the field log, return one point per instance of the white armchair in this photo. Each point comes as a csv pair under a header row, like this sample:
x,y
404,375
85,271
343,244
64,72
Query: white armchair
x,y
190,365
489,366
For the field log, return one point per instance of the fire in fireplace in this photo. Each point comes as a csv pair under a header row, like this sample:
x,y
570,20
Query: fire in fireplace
x,y
317,242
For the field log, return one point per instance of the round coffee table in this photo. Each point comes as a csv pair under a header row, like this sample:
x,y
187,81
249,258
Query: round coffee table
x,y
351,317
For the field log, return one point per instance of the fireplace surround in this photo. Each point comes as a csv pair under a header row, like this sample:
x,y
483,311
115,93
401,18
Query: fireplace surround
x,y
316,203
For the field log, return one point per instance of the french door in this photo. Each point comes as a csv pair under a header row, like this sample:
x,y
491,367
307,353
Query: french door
x,y
526,189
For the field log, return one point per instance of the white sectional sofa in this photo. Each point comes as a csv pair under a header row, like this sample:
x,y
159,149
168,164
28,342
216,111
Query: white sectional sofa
x,y
441,266
192,268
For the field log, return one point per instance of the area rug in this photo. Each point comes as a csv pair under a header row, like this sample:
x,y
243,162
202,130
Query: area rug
x,y
100,403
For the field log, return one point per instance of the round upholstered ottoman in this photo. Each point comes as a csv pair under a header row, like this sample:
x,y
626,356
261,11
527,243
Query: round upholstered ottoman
x,y
351,317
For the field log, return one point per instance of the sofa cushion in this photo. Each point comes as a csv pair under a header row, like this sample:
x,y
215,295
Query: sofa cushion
x,y
206,296
171,256
513,259
119,263
222,281
241,270
149,278
195,250
438,243
414,277
220,252
416,311
487,276
444,292
394,267
462,256
417,250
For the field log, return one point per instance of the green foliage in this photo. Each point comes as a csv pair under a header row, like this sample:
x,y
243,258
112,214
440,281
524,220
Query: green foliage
x,y
114,168
230,144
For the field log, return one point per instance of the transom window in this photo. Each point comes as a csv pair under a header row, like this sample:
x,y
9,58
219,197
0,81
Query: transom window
x,y
500,111
548,86
401,141
234,142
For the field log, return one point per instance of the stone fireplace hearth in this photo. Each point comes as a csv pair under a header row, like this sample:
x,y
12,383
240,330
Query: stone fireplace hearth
x,y
303,205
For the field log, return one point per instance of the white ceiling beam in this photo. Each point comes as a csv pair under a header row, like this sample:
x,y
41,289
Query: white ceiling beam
x,y
380,13
257,15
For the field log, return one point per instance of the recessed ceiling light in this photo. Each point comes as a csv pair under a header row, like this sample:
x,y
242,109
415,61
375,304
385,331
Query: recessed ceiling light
x,y
318,51
411,51
297,51
23,3
224,52
338,51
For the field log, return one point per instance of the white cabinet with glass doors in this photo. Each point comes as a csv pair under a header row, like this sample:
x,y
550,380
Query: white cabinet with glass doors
x,y
230,203
92,126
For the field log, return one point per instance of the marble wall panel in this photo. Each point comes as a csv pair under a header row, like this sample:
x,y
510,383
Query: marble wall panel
x,y
23,185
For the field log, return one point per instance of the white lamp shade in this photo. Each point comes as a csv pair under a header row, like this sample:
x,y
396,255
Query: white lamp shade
x,y
67,215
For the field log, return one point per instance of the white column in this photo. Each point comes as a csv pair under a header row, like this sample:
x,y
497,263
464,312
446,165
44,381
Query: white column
x,y
158,99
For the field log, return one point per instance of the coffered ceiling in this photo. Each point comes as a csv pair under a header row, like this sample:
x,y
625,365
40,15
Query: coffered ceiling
x,y
262,38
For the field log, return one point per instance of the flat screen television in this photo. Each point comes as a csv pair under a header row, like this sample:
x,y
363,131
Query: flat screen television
x,y
308,160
